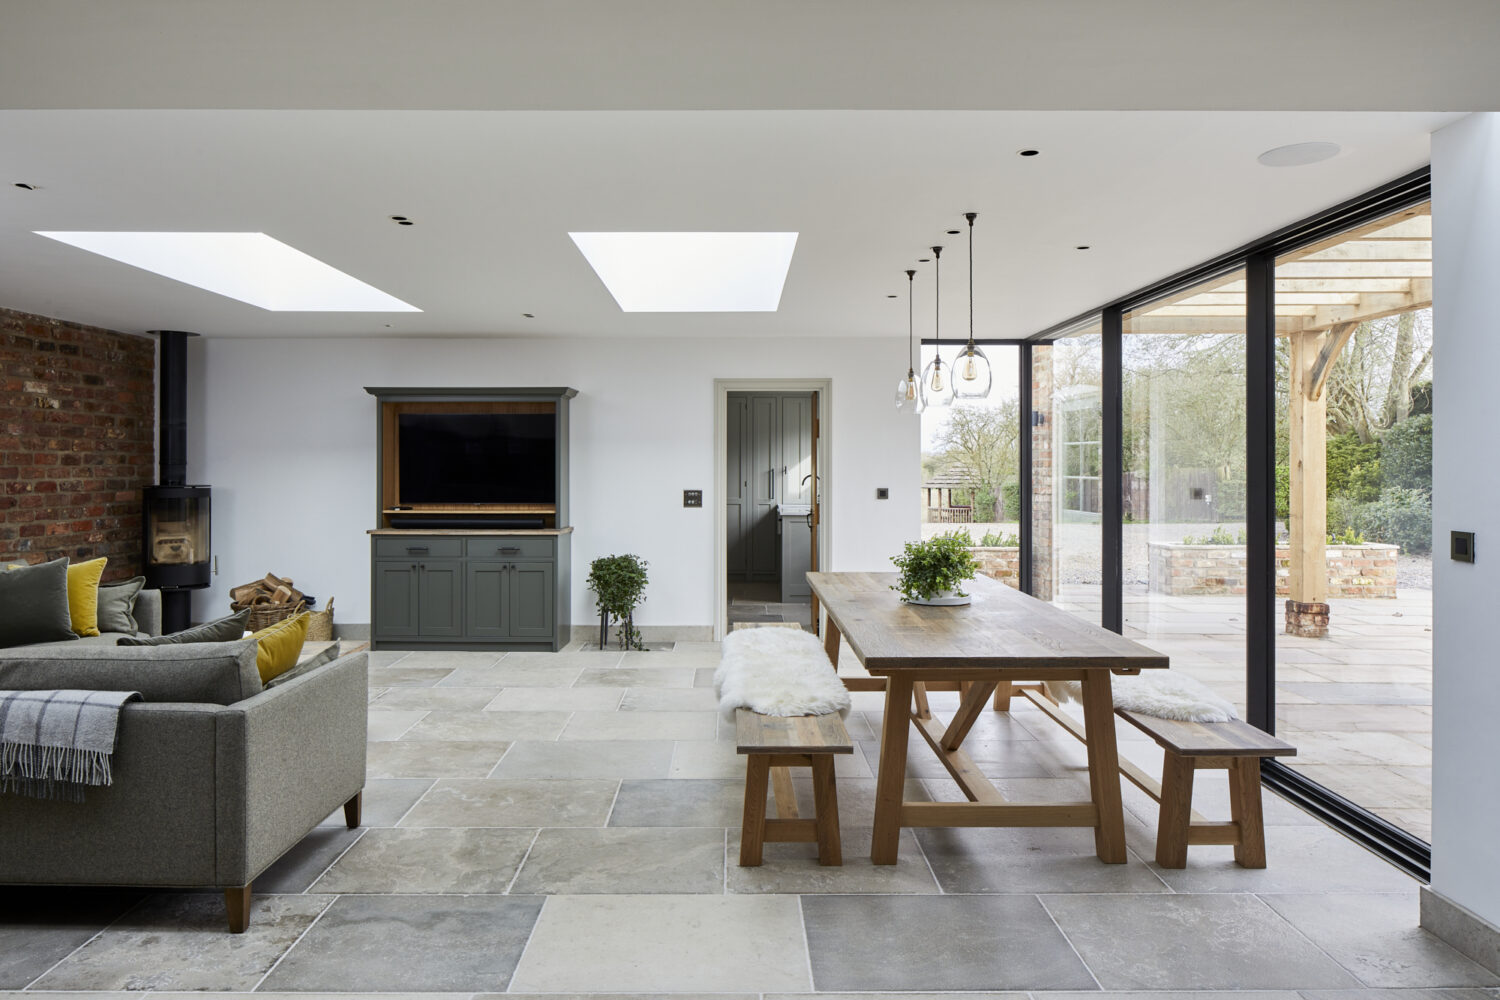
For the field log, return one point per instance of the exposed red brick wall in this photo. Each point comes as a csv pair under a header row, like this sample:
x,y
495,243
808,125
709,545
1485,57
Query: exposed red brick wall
x,y
78,417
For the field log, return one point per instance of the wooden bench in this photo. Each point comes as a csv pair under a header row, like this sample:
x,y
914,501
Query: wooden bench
x,y
1234,746
773,745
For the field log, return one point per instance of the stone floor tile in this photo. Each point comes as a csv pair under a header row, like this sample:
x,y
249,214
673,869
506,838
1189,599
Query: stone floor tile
x,y
1376,937
794,868
384,802
677,658
718,759
309,858
433,759
482,726
386,657
404,675
637,677
180,941
912,996
1299,859
436,861
1190,942
1174,995
640,726
491,802
705,802
410,943
587,759
571,658
556,699
859,943
506,675
624,860
995,758
384,725
666,944
703,677
1029,860
669,700
435,659
447,699
41,925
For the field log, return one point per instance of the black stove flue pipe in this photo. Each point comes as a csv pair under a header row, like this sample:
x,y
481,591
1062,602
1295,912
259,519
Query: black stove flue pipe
x,y
173,498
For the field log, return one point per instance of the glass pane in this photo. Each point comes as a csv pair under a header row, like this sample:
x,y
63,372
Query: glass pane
x,y
1183,535
1354,499
971,472
1067,537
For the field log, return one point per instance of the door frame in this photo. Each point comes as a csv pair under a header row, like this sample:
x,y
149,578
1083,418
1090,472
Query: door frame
x,y
722,388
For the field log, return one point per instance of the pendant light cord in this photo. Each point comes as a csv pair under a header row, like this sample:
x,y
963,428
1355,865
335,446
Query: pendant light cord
x,y
971,216
911,356
937,304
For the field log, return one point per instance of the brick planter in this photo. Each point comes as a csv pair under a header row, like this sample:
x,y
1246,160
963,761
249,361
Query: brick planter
x,y
1000,563
1185,570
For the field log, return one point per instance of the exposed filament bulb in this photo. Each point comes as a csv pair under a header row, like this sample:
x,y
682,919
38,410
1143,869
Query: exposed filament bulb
x,y
970,370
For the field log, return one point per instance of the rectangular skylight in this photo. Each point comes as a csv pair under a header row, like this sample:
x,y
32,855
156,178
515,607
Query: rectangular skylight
x,y
250,267
691,272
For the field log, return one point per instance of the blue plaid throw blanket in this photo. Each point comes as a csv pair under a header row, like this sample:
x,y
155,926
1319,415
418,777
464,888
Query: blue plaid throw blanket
x,y
53,744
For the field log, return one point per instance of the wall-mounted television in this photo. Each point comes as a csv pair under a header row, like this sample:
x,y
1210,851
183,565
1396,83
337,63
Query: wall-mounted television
x,y
477,458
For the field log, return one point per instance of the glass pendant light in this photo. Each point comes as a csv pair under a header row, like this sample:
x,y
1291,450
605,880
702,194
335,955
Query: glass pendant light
x,y
973,375
937,378
907,394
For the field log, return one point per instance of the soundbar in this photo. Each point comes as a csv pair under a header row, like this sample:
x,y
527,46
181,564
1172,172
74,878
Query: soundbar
x,y
480,522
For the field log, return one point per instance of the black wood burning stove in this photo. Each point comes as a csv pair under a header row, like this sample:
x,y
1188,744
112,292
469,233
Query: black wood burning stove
x,y
175,516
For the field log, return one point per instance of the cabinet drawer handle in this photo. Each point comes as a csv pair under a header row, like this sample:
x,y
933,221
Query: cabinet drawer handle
x,y
505,550
416,550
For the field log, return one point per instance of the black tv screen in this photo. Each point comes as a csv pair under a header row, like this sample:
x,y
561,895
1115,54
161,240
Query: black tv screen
x,y
453,458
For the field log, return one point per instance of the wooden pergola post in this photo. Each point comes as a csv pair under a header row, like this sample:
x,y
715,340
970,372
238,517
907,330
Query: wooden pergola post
x,y
1311,357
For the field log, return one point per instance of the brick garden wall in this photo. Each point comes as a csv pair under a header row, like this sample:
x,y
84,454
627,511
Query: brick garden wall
x,y
1353,570
78,417
1003,564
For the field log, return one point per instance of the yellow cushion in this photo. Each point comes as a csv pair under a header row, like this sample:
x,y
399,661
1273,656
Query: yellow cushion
x,y
83,595
280,645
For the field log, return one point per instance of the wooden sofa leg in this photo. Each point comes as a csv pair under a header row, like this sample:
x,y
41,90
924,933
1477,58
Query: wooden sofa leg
x,y
826,808
1176,814
351,810
237,905
1244,805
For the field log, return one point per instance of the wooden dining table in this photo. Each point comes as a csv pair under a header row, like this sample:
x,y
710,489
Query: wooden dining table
x,y
1003,637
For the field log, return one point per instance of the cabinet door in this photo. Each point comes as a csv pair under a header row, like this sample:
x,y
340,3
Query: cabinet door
x,y
736,484
765,482
395,599
531,601
484,600
440,599
796,448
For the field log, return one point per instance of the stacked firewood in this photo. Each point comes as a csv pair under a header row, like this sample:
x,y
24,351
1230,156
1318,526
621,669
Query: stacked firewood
x,y
271,590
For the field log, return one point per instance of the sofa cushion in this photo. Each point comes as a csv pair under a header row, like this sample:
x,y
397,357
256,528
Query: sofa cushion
x,y
326,655
222,630
34,604
117,606
83,594
280,645
219,673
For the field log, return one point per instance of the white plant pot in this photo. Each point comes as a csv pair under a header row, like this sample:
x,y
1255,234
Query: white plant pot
x,y
942,599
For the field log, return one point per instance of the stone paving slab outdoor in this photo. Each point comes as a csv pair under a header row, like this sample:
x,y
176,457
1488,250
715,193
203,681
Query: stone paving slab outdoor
x,y
666,944
410,943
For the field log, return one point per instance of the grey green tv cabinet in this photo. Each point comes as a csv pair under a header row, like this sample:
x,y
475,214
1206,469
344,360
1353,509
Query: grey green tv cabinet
x,y
487,582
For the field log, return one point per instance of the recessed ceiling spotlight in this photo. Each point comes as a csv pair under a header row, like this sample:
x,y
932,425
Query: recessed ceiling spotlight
x,y
25,187
924,260
1084,246
1299,154
1028,152
402,220
529,315
890,296
954,232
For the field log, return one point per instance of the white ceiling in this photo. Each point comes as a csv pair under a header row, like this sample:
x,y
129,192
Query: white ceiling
x,y
540,132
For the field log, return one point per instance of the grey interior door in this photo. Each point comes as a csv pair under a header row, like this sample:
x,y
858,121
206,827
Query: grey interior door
x,y
736,484
395,599
530,600
440,598
484,598
765,481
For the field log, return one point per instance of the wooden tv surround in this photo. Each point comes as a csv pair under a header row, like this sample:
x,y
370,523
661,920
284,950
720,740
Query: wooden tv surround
x,y
473,586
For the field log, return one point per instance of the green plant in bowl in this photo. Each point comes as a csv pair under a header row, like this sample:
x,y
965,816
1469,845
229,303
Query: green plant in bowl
x,y
935,568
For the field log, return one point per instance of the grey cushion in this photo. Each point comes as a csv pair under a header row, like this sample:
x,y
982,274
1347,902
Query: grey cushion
x,y
223,630
327,655
34,604
219,673
117,606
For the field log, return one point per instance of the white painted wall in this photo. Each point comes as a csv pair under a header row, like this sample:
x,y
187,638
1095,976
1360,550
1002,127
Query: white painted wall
x,y
285,433
1466,497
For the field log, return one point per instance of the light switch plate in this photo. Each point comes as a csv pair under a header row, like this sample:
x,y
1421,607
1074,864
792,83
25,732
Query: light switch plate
x,y
692,498
882,493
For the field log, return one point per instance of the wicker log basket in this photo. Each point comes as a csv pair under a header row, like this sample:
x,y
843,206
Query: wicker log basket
x,y
264,615
320,624
275,599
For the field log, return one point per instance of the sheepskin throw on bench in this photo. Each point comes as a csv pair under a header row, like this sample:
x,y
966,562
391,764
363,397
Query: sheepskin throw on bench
x,y
778,671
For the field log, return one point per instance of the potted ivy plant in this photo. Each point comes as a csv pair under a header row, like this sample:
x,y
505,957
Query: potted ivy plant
x,y
932,571
619,586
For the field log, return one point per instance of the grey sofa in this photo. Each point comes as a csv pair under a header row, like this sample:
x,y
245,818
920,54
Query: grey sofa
x,y
214,776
